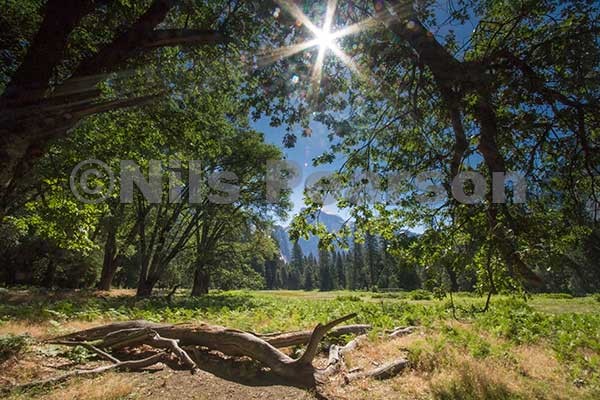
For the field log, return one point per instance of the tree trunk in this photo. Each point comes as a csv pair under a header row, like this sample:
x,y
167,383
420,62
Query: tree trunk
x,y
10,276
201,280
107,275
48,281
109,265
453,279
145,288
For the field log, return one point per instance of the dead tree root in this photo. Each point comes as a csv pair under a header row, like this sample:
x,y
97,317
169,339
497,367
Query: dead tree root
x,y
232,354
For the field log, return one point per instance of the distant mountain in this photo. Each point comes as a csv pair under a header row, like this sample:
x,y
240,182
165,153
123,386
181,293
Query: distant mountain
x,y
331,221
282,237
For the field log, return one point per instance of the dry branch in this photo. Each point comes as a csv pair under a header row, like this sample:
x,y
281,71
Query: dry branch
x,y
386,371
318,333
353,344
173,346
289,339
402,331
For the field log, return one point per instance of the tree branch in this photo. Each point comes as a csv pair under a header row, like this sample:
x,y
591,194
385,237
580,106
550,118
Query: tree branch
x,y
32,78
120,48
318,333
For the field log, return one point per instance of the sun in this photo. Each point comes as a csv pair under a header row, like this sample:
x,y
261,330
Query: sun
x,y
325,39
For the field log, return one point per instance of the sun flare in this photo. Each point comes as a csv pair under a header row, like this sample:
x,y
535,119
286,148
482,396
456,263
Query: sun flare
x,y
325,40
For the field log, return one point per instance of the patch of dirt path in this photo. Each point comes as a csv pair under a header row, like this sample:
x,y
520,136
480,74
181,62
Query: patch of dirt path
x,y
181,385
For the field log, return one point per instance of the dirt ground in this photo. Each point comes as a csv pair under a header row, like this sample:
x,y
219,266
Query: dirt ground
x,y
164,384
181,385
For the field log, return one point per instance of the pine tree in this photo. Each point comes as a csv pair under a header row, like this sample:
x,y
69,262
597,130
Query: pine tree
x,y
296,274
339,271
325,281
387,277
294,279
358,276
309,279
373,260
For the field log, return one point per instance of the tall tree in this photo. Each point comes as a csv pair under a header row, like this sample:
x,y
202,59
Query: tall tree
x,y
325,278
296,267
358,278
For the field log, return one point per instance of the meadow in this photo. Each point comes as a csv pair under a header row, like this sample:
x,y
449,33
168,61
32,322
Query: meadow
x,y
540,346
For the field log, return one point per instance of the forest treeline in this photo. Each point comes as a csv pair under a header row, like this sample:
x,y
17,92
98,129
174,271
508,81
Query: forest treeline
x,y
366,266
371,264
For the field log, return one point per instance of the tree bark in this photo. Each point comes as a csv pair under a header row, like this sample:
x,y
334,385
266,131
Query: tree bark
x,y
278,340
31,80
109,264
201,280
10,276
107,276
145,288
298,372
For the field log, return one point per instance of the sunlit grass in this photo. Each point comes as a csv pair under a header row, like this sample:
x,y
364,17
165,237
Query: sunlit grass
x,y
517,349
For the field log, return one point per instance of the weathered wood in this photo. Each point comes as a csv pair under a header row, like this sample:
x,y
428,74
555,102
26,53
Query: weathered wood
x,y
402,331
279,340
318,333
289,339
353,344
229,353
173,346
230,342
386,371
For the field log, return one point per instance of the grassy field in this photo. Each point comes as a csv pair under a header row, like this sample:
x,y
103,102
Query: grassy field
x,y
545,347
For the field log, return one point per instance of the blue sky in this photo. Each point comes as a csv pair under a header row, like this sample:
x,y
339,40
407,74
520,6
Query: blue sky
x,y
303,153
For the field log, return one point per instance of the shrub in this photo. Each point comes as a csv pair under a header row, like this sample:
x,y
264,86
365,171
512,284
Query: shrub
x,y
597,297
12,345
79,355
420,294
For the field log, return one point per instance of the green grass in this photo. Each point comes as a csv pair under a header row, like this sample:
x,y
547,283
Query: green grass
x,y
276,310
570,327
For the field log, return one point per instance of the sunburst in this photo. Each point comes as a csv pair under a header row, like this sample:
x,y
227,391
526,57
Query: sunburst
x,y
324,38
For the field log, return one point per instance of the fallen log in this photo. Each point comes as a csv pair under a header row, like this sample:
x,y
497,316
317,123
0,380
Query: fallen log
x,y
230,342
278,340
